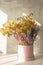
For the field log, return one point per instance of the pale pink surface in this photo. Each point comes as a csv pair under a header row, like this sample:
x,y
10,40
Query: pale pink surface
x,y
25,53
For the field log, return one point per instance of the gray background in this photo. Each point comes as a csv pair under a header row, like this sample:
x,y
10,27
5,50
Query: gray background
x,y
15,8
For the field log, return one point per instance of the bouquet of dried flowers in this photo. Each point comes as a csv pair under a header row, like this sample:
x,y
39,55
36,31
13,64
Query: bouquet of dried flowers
x,y
24,30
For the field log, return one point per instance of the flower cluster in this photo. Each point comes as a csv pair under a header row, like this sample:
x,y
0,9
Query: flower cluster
x,y
25,30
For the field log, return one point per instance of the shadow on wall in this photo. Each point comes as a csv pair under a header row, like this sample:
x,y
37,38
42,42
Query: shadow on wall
x,y
38,45
11,45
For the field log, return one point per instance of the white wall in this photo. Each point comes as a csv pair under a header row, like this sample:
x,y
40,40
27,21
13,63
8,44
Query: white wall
x,y
15,8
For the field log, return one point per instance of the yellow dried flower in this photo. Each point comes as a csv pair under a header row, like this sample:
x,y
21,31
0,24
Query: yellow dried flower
x,y
24,24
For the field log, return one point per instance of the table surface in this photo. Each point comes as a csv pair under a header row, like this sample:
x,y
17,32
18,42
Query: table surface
x,y
11,59
38,61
